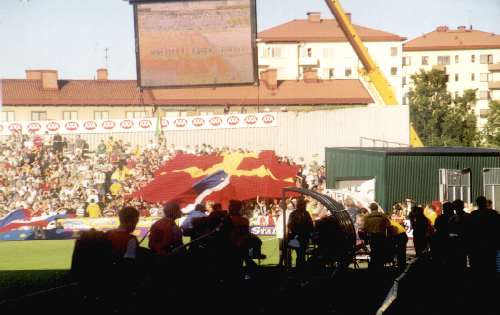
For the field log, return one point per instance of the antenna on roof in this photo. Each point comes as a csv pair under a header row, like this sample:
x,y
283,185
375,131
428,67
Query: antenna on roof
x,y
106,57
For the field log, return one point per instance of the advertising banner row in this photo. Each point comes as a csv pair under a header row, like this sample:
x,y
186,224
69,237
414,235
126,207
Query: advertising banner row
x,y
231,121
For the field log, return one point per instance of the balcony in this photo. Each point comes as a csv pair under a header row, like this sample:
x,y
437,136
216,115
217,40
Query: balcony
x,y
494,67
309,61
494,85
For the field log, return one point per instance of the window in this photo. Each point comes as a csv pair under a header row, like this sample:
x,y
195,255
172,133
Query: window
x,y
457,59
175,114
394,51
394,71
329,73
209,113
404,81
456,77
473,77
328,52
101,115
425,60
484,95
473,58
407,61
405,99
484,77
456,94
486,59
7,116
309,52
131,115
274,52
38,115
443,60
70,116
483,113
348,72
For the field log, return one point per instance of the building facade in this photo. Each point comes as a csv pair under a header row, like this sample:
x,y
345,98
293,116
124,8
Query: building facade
x,y
471,59
317,47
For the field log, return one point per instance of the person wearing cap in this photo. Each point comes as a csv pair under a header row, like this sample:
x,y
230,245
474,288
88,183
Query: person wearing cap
x,y
165,235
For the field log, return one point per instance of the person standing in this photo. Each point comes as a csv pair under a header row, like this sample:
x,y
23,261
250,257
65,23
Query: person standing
x,y
376,225
165,235
300,227
422,230
280,232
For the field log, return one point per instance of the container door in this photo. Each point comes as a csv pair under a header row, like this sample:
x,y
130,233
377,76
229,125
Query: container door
x,y
491,181
454,184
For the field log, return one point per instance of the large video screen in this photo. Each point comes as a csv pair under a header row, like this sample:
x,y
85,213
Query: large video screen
x,y
195,43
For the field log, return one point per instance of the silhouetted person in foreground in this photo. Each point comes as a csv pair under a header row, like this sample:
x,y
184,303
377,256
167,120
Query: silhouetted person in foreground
x,y
300,226
165,234
422,230
240,235
458,238
483,230
441,239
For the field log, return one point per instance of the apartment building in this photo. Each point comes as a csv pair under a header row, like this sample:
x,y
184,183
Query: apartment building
x,y
471,59
316,47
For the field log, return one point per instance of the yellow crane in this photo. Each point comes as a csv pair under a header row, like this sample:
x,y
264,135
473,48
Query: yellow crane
x,y
371,70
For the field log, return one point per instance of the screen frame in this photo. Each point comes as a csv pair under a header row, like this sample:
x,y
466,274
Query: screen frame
x,y
253,22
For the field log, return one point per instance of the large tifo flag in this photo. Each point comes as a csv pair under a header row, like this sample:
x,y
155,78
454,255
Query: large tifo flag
x,y
21,219
190,179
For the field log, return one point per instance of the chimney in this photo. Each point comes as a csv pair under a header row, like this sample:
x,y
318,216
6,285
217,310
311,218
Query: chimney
x,y
270,78
102,74
310,75
49,80
314,17
349,16
33,74
442,28
462,28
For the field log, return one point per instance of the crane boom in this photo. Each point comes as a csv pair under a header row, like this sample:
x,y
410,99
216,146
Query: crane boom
x,y
371,69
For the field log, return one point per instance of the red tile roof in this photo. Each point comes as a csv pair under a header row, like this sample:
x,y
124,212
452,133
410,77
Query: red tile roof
x,y
114,92
460,39
323,31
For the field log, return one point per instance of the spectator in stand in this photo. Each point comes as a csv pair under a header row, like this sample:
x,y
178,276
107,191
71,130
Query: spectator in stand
x,y
93,209
351,209
165,235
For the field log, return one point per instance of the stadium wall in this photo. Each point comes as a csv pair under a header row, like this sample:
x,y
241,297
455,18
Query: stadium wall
x,y
298,134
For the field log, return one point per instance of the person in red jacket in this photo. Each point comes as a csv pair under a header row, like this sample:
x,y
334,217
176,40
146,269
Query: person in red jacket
x,y
123,243
165,235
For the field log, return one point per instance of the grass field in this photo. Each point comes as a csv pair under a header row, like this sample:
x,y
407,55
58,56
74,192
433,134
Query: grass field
x,y
56,255
30,266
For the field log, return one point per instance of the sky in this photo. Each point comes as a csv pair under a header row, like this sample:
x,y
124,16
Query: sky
x,y
71,35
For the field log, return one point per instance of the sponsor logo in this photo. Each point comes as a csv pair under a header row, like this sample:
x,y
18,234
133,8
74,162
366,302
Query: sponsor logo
x,y
198,122
145,123
215,121
127,124
15,127
268,119
34,126
108,124
53,126
90,125
71,125
180,122
263,230
251,119
233,120
164,123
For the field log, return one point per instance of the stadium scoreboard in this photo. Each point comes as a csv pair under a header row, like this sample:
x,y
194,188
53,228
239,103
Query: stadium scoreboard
x,y
195,42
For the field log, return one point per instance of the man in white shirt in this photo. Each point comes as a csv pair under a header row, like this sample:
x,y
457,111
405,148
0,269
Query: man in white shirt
x,y
187,224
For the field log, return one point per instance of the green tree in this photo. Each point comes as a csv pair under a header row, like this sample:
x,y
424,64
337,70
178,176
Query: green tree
x,y
492,127
439,119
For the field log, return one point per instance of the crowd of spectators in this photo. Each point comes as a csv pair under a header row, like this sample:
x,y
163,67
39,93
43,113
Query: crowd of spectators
x,y
54,174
